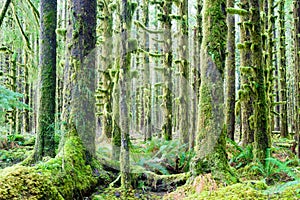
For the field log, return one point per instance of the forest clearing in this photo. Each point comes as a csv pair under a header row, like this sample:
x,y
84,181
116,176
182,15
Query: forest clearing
x,y
149,99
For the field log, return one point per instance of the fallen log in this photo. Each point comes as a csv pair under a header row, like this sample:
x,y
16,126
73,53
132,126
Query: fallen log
x,y
157,183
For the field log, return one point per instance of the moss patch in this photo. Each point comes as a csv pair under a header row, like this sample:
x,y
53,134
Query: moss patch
x,y
65,177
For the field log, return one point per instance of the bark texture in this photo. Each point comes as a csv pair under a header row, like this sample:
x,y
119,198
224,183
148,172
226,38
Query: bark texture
x,y
230,74
45,144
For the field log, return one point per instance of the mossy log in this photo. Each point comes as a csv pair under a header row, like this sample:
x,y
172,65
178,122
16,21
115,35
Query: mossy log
x,y
156,182
67,176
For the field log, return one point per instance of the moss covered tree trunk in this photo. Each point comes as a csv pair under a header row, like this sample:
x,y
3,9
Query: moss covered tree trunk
x,y
184,96
167,73
270,69
296,14
245,94
116,132
196,79
230,74
147,84
282,70
79,85
262,140
106,83
210,140
124,83
45,144
26,100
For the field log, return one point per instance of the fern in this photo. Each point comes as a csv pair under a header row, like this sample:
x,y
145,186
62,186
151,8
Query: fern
x,y
162,156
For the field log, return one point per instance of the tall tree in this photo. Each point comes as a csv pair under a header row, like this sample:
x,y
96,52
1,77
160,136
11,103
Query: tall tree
x,y
296,14
282,70
147,87
106,83
262,140
184,74
167,73
230,73
45,144
245,94
79,85
127,9
196,79
210,141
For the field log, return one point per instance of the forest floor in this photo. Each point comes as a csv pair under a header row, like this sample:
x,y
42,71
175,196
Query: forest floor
x,y
161,169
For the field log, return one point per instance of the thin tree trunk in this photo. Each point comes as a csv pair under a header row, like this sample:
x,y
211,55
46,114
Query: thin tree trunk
x,y
124,82
283,80
262,140
167,73
296,13
45,144
184,94
230,69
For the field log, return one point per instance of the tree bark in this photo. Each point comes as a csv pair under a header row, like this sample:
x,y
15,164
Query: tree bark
x,y
283,80
167,73
79,85
296,15
262,140
230,75
245,94
45,144
124,83
184,94
210,139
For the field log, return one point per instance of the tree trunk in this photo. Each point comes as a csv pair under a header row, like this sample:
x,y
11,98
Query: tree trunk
x,y
230,69
124,83
167,73
45,144
210,139
245,94
106,83
283,80
147,83
184,94
296,13
79,85
262,140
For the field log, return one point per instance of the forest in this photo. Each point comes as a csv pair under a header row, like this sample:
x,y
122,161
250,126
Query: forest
x,y
149,99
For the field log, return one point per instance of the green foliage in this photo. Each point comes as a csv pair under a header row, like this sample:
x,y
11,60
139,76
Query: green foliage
x,y
10,100
241,156
13,156
162,156
274,170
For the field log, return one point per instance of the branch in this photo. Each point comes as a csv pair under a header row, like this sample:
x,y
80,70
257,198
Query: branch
x,y
156,55
140,25
238,11
35,11
25,37
4,10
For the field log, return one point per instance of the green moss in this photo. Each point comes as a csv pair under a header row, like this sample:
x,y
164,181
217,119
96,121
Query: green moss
x,y
236,191
20,182
237,11
66,176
